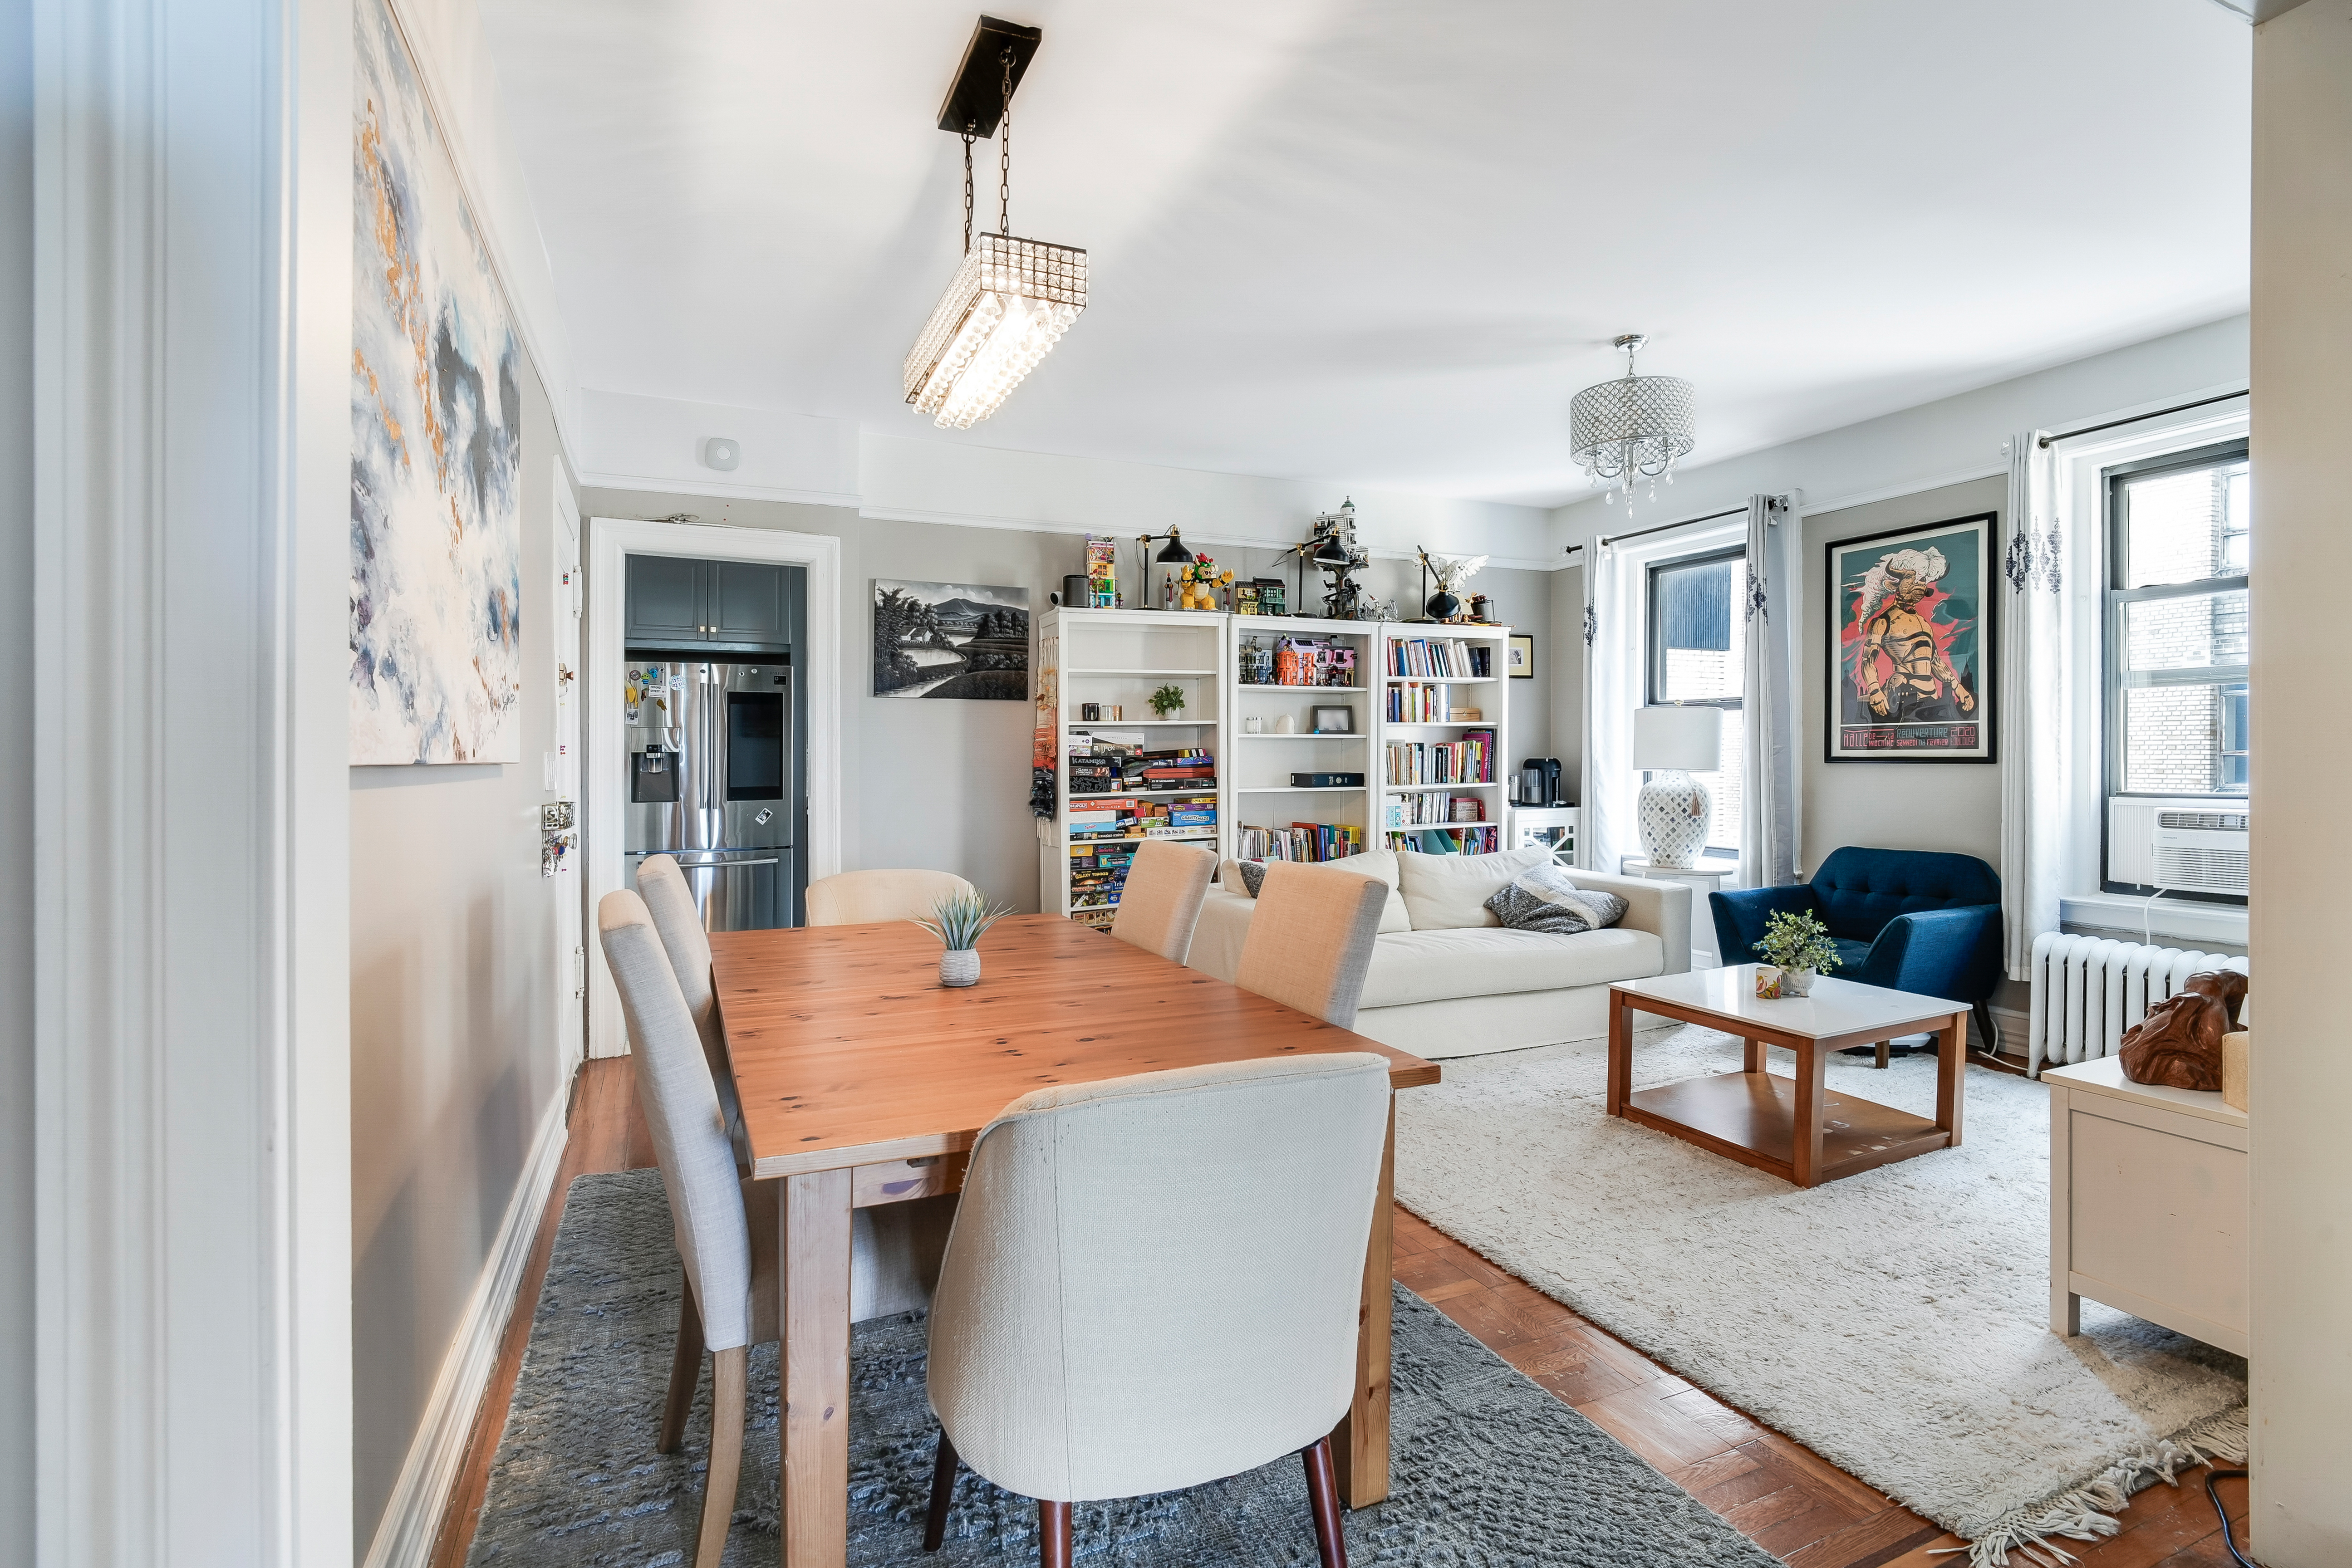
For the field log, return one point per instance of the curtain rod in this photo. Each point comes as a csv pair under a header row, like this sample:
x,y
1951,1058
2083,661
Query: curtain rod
x,y
1662,528
2152,413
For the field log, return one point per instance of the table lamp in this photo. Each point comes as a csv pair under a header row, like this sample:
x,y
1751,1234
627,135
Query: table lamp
x,y
1670,744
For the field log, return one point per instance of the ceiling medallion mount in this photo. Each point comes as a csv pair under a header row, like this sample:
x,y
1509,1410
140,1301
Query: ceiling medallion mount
x,y
1013,298
1632,428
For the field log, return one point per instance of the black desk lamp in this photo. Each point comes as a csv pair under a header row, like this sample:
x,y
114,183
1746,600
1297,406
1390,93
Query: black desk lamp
x,y
1173,554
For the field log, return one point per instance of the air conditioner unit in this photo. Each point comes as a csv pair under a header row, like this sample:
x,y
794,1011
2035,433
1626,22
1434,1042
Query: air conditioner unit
x,y
2187,845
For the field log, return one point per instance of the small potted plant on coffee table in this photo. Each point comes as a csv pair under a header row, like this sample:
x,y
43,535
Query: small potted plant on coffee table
x,y
1796,947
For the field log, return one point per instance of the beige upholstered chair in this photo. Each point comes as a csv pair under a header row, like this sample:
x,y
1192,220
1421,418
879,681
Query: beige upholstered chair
x,y
1161,903
705,1202
1311,941
1154,1282
895,1249
862,897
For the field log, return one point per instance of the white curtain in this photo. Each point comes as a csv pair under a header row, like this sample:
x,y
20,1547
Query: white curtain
x,y
2037,699
1771,801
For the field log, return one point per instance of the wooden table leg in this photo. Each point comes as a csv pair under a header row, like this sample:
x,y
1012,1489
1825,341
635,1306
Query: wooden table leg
x,y
1620,1052
1951,1062
1755,1058
1361,1445
814,1249
1805,1139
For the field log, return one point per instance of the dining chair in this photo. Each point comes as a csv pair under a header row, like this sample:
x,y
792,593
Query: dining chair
x,y
863,897
706,1203
1154,1282
1310,939
894,1249
1160,902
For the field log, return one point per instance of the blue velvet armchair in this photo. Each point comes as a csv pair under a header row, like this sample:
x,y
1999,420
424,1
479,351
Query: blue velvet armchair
x,y
1910,919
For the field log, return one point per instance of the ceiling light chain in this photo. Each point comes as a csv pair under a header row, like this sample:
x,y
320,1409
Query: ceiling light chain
x,y
1004,153
967,193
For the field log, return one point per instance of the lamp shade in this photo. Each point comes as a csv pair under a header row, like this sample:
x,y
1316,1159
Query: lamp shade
x,y
1688,738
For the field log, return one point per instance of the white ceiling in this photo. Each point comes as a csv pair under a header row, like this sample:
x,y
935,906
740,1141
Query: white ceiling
x,y
1386,243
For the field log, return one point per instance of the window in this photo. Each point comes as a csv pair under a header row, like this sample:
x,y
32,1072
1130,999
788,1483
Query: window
x,y
2177,606
1698,656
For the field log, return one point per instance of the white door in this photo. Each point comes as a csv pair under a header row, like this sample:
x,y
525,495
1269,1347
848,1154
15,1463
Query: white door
x,y
564,607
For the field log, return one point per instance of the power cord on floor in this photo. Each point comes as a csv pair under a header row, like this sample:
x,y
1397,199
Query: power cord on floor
x,y
2214,1492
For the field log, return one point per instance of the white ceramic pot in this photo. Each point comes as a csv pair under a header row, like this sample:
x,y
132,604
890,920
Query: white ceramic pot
x,y
959,967
1797,982
1672,813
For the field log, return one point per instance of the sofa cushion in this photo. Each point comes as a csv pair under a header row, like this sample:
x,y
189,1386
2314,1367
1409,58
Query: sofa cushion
x,y
1380,865
1449,892
1439,965
1546,899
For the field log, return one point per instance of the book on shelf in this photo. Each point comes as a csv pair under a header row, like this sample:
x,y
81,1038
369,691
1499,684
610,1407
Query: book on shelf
x,y
1440,659
1427,807
1304,842
1469,760
1452,841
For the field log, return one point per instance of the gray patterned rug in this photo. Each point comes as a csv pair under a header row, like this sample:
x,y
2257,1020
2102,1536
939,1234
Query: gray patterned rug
x,y
1488,1468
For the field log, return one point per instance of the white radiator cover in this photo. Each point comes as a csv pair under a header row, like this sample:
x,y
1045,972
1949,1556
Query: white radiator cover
x,y
2087,990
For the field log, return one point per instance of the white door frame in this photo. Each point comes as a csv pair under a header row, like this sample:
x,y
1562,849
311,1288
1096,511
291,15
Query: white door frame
x,y
611,541
571,606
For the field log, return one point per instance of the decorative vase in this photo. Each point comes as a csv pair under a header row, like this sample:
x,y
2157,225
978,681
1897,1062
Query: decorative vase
x,y
959,967
1767,981
1674,811
1797,982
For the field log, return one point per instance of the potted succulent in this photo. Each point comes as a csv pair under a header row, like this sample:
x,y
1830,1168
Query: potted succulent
x,y
1168,699
958,920
1796,947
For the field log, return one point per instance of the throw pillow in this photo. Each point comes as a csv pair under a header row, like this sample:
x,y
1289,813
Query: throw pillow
x,y
1380,865
1252,875
1547,899
1449,892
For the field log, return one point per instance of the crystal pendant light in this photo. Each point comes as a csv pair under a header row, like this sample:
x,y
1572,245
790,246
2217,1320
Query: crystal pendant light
x,y
1633,428
1008,304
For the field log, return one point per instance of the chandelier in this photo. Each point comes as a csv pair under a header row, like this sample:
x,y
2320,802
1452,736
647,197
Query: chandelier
x,y
1631,429
1012,299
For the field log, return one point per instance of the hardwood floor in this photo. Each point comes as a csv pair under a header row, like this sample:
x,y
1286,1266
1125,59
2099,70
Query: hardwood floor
x,y
1794,1504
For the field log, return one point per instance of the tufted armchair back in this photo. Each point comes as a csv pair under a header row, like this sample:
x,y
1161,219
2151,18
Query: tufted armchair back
x,y
1860,890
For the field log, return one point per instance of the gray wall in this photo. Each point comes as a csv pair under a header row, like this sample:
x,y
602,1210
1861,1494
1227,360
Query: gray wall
x,y
15,785
454,1056
946,784
1562,658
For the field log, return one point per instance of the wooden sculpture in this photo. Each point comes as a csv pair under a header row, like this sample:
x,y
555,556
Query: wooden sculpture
x,y
2178,1044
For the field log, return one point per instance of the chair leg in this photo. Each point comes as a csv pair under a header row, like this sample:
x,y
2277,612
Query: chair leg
x,y
1883,1047
1052,1535
943,1480
1323,1502
727,1395
685,1371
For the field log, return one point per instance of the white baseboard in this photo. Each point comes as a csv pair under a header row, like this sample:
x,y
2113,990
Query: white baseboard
x,y
412,1518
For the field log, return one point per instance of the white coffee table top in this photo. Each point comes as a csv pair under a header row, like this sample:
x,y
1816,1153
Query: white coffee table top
x,y
1836,1007
2104,1075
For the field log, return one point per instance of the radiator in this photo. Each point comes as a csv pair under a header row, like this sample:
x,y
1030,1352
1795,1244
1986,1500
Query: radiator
x,y
2087,990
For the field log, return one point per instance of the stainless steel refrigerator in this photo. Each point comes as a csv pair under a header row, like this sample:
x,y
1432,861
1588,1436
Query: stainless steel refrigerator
x,y
713,780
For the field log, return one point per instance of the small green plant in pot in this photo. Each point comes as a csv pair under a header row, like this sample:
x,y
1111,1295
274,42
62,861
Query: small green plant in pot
x,y
1168,699
958,920
1798,947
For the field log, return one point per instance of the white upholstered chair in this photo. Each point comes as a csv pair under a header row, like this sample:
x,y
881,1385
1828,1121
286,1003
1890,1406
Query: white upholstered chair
x,y
1310,940
862,897
1154,1282
705,1202
1160,902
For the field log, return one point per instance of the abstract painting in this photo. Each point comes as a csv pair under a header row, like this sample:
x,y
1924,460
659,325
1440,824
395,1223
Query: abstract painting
x,y
437,440
1911,645
951,640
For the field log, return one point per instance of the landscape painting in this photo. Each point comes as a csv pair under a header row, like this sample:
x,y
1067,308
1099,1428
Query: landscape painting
x,y
1911,645
437,440
951,640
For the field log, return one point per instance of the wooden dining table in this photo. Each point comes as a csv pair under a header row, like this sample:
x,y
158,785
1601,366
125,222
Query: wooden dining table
x,y
864,1080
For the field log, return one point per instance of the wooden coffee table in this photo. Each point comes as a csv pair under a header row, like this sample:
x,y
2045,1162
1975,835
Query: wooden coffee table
x,y
1792,1127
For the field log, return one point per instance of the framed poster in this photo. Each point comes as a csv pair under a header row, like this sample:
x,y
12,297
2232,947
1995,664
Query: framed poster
x,y
951,640
1520,657
1911,645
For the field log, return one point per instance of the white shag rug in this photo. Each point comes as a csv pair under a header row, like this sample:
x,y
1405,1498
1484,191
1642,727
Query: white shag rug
x,y
1896,1323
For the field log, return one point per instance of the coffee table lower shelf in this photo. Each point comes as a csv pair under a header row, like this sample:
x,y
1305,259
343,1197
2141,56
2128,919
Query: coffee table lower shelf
x,y
1751,1117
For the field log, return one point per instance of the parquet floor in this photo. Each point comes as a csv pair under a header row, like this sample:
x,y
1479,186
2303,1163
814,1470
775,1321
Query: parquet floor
x,y
1794,1504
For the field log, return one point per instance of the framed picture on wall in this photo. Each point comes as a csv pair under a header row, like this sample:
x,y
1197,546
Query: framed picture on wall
x,y
1910,630
1520,658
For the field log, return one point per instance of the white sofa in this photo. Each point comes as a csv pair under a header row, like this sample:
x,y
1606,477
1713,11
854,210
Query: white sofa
x,y
1449,979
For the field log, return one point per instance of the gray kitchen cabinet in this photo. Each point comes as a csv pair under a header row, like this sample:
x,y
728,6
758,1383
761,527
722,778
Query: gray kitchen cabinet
x,y
749,604
733,605
669,600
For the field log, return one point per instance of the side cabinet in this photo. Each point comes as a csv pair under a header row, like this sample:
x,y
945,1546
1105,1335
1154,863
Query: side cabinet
x,y
669,597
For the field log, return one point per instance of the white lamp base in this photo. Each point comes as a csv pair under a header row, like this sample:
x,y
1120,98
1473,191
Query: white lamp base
x,y
1673,812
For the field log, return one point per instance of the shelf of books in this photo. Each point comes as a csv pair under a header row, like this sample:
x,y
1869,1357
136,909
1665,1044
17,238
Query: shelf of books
x,y
1122,771
1444,737
1302,724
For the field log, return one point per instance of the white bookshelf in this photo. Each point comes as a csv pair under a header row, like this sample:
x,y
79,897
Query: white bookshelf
x,y
1263,763
1442,695
1119,657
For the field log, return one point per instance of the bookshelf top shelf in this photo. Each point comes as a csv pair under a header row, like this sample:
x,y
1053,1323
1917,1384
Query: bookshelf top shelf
x,y
1160,673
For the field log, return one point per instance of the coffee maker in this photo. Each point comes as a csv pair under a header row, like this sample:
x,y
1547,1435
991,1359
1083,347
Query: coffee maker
x,y
1538,783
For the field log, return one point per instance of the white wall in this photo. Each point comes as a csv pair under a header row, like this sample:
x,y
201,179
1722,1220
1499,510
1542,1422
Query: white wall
x,y
1937,444
15,785
2301,1156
